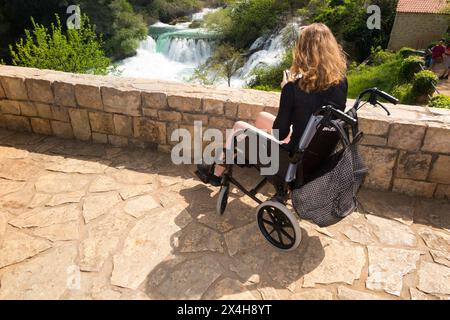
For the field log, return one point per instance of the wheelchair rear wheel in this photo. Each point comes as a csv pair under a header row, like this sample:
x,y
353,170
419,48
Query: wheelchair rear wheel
x,y
279,225
222,201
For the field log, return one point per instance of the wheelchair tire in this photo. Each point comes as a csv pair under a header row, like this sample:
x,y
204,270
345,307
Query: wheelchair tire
x,y
279,225
222,201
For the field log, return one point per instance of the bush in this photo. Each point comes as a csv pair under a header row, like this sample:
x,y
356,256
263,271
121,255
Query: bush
x,y
409,67
269,78
407,52
440,101
380,56
77,50
404,93
424,83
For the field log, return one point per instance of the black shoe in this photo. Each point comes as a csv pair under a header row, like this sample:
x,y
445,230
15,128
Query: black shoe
x,y
206,175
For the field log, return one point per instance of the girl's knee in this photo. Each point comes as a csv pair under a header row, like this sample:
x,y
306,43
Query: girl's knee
x,y
241,125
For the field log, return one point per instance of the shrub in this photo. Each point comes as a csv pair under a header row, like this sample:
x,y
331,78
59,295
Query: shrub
x,y
407,52
380,56
424,83
440,101
404,93
409,67
269,78
77,50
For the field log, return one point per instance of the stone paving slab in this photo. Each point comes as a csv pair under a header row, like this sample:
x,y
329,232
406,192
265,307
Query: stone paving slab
x,y
86,221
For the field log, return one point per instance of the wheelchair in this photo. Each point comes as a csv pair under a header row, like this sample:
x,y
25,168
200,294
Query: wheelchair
x,y
277,223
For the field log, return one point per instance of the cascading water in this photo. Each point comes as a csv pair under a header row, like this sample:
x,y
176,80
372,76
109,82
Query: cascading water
x,y
170,52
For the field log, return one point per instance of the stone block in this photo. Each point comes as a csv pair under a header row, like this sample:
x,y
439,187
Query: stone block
x,y
64,94
16,123
170,128
99,137
122,101
151,113
406,136
213,106
152,131
413,165
60,113
101,122
43,110
414,188
437,139
2,92
41,126
62,129
123,125
380,163
249,111
88,96
14,88
40,90
80,124
10,107
272,110
374,127
154,100
442,191
370,140
231,109
118,141
440,171
28,109
220,122
190,118
185,103
171,116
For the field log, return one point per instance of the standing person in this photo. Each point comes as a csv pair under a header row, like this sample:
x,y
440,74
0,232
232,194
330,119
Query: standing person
x,y
447,60
437,56
316,78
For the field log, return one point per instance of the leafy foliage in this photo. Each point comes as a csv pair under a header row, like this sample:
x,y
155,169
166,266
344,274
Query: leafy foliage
x,y
76,50
410,66
424,83
269,78
440,101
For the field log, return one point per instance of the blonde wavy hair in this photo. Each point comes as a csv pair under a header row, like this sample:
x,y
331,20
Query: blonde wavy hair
x,y
318,59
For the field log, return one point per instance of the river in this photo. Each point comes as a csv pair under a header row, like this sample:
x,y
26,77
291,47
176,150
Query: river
x,y
173,52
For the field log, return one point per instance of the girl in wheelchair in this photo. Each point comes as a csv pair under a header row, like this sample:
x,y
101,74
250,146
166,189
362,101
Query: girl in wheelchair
x,y
317,77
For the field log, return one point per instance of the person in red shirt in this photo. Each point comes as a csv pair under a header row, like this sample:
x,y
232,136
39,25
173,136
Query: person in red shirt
x,y
438,52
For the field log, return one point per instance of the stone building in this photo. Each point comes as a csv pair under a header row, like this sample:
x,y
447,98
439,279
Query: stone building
x,y
418,23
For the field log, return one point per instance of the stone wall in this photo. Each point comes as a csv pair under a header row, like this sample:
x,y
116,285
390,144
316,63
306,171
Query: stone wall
x,y
417,30
408,152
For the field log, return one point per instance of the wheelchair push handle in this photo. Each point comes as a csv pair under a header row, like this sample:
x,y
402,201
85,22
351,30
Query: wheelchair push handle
x,y
386,96
338,114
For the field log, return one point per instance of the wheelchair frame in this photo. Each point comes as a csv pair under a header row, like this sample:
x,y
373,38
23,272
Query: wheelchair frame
x,y
274,211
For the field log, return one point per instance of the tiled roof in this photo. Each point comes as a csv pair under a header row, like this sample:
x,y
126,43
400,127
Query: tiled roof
x,y
421,6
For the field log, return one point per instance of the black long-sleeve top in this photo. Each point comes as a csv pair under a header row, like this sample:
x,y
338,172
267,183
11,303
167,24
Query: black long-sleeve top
x,y
297,106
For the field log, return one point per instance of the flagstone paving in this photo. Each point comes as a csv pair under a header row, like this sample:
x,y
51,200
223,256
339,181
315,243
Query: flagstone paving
x,y
86,221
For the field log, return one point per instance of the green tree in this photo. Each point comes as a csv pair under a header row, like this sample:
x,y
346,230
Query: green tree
x,y
224,63
76,50
127,29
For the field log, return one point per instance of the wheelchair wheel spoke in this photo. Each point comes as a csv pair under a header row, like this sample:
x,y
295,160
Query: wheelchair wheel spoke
x,y
268,222
280,237
287,235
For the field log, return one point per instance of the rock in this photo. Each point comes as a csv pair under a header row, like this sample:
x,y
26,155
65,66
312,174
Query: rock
x,y
131,177
229,289
45,277
133,191
140,206
101,122
18,246
96,205
434,278
414,188
190,280
104,184
13,153
359,233
197,238
77,166
312,294
435,239
59,232
406,135
243,238
392,232
7,187
2,226
387,266
18,200
39,200
89,96
46,217
80,124
380,163
126,102
64,198
419,295
146,246
345,293
62,129
123,125
436,139
102,240
17,169
341,263
61,183
441,257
